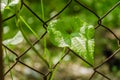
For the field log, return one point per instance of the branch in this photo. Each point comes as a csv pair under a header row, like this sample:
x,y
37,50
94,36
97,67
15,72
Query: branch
x,y
1,52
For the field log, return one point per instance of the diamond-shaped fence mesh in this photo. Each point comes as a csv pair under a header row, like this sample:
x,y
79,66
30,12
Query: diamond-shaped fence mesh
x,y
22,55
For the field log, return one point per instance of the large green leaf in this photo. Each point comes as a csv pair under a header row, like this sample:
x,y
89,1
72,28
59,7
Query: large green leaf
x,y
74,33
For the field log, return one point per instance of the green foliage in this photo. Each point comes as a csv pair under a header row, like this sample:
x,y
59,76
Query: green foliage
x,y
65,32
18,38
8,8
36,35
75,34
9,4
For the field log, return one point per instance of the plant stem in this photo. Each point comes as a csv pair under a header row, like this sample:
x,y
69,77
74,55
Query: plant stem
x,y
42,10
8,63
45,43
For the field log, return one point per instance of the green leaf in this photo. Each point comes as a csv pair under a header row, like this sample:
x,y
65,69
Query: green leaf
x,y
5,4
18,38
14,2
74,33
22,19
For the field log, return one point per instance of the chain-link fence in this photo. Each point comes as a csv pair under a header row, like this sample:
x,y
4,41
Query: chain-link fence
x,y
49,72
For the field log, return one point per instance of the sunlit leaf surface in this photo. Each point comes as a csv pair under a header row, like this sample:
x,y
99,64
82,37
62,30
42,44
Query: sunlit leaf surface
x,y
4,4
75,34
18,38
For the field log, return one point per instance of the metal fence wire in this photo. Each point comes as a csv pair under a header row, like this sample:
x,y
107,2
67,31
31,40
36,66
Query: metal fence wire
x,y
46,76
